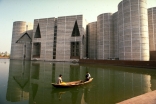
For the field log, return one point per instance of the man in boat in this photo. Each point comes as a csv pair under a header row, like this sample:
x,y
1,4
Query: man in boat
x,y
59,81
88,76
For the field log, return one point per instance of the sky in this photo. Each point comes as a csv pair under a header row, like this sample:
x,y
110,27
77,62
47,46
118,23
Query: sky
x,y
28,10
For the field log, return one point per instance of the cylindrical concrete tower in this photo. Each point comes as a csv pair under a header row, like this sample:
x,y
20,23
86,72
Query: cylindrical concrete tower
x,y
116,36
17,46
133,30
152,28
105,36
92,40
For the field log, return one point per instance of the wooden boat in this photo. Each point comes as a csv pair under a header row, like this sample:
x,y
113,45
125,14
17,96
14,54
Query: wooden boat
x,y
71,84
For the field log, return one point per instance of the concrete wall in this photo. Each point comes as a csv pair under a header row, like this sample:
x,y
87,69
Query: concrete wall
x,y
92,40
84,39
21,46
133,30
115,34
128,34
104,36
144,64
152,28
46,27
64,36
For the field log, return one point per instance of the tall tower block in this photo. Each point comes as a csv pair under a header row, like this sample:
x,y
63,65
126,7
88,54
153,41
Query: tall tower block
x,y
133,30
152,32
105,36
21,40
92,40
116,36
152,28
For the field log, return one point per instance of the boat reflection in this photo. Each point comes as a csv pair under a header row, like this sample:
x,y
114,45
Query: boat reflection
x,y
75,95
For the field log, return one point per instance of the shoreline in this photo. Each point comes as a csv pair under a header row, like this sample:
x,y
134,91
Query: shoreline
x,y
126,63
140,64
4,57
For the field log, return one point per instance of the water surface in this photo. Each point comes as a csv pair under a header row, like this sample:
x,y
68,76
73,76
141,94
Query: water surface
x,y
29,82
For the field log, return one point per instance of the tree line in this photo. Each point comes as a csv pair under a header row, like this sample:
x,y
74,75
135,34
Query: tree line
x,y
4,54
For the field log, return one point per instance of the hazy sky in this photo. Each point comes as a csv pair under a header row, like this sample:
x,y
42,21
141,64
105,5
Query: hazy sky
x,y
28,10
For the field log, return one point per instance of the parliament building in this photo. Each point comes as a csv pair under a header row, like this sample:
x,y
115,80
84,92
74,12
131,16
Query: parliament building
x,y
128,34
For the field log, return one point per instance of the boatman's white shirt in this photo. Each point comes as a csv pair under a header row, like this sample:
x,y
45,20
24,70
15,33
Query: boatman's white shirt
x,y
89,76
59,80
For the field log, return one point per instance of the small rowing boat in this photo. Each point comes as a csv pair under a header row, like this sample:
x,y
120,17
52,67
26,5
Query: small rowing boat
x,y
71,84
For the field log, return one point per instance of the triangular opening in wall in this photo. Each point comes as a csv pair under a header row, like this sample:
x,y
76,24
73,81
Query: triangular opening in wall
x,y
37,33
76,30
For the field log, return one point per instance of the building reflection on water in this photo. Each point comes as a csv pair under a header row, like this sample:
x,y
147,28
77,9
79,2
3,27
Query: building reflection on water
x,y
31,81
18,81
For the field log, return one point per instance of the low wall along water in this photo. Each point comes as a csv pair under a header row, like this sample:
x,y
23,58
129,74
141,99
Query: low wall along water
x,y
148,64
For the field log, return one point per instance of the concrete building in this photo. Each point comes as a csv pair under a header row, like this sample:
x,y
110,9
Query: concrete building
x,y
128,34
152,32
105,36
21,40
42,40
70,38
50,39
115,35
152,28
133,30
124,34
92,40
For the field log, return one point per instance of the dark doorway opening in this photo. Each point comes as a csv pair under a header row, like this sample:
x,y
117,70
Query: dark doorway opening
x,y
24,51
75,50
36,50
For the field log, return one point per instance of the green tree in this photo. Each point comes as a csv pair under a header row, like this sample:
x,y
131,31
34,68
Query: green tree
x,y
5,54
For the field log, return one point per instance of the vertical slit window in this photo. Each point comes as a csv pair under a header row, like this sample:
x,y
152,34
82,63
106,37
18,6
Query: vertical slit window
x,y
55,40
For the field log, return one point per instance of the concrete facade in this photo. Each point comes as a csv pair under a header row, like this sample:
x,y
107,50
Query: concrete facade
x,y
128,34
92,40
105,36
50,39
152,28
126,37
64,38
133,30
115,34
44,39
21,40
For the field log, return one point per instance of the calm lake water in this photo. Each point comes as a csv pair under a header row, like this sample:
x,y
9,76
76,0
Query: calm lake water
x,y
29,82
